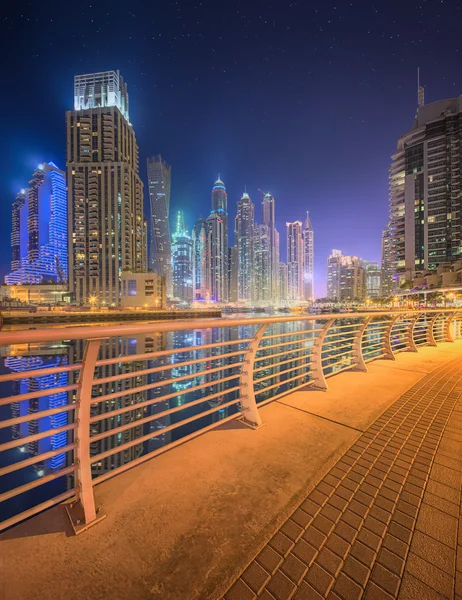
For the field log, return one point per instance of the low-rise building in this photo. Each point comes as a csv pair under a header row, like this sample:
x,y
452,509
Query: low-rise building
x,y
143,290
41,293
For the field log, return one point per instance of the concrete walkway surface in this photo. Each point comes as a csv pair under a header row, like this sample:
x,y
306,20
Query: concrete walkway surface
x,y
274,508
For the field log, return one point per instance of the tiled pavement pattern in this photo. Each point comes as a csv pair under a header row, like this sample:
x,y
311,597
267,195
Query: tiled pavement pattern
x,y
384,522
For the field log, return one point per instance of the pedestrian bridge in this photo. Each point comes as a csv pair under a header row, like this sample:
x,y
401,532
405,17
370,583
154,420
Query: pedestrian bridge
x,y
237,511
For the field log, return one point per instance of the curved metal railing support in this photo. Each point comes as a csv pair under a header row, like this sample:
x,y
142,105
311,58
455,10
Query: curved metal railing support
x,y
411,345
319,379
358,357
430,333
449,328
250,414
82,512
387,349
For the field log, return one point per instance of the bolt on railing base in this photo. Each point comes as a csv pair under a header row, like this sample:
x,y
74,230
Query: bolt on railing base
x,y
76,517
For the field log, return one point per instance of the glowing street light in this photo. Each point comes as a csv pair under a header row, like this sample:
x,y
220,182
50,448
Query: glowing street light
x,y
92,300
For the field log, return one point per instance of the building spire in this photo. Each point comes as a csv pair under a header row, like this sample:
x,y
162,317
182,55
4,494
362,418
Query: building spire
x,y
420,91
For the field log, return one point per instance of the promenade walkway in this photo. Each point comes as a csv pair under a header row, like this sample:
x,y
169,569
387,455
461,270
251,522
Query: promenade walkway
x,y
349,493
384,522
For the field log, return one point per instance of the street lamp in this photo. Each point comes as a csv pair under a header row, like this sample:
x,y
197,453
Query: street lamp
x,y
92,300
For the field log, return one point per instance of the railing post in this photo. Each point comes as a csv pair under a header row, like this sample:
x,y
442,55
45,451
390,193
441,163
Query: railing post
x,y
388,350
358,358
319,380
411,347
430,335
449,334
251,416
82,513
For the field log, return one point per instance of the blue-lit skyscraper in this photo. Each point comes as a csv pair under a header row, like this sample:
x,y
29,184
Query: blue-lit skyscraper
x,y
39,230
182,261
217,244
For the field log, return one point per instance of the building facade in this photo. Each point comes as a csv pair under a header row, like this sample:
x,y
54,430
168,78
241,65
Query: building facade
x,y
308,260
233,262
268,206
373,279
217,244
39,243
295,252
160,252
262,265
244,235
105,192
346,277
386,280
143,290
199,241
182,261
283,283
426,191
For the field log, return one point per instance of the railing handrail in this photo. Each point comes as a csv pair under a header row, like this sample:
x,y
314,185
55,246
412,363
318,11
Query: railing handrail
x,y
59,334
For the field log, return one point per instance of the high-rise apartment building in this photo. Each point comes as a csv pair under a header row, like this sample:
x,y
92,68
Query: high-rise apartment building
x,y
295,252
199,240
105,192
426,190
182,261
346,277
39,243
269,219
217,244
160,254
245,234
386,288
262,265
333,274
308,260
283,282
373,279
233,262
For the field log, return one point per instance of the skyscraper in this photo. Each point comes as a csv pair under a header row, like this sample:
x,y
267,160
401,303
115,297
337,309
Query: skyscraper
x,y
182,261
346,277
217,244
333,274
105,192
295,252
233,261
283,282
308,260
199,240
387,265
39,242
373,279
268,217
245,226
159,182
262,265
426,190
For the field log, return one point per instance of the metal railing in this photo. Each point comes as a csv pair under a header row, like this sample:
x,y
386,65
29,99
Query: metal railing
x,y
107,409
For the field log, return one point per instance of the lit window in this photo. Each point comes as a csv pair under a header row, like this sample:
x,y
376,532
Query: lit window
x,y
132,287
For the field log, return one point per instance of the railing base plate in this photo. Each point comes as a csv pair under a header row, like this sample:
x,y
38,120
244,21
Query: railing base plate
x,y
75,514
251,425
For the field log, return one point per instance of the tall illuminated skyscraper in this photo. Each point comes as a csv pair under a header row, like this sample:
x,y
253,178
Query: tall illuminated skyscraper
x,y
217,244
295,252
245,233
159,182
262,265
268,218
308,260
425,191
105,192
387,263
199,240
39,233
182,260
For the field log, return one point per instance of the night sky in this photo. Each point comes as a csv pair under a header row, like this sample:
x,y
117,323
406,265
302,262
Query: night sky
x,y
303,99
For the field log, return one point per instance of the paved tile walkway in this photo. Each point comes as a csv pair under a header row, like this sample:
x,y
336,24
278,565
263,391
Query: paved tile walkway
x,y
384,522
